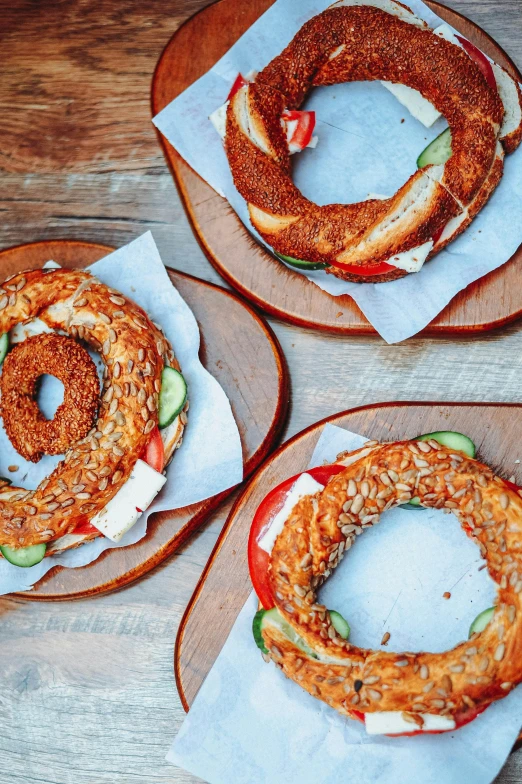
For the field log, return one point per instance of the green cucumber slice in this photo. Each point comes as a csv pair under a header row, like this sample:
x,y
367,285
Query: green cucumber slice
x,y
301,263
24,556
173,396
273,617
4,345
481,621
262,618
452,440
340,624
256,630
438,151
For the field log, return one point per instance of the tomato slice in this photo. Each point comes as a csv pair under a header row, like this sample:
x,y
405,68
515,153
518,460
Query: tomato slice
x,y
154,452
481,60
239,82
369,269
258,559
437,235
85,528
512,485
304,129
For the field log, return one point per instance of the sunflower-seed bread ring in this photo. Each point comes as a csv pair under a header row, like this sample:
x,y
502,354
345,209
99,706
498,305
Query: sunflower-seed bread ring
x,y
353,41
134,351
31,434
323,527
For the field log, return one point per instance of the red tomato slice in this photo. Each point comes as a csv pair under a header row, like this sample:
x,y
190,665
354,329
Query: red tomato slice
x,y
512,485
369,269
239,82
259,559
154,452
304,128
481,60
437,235
85,528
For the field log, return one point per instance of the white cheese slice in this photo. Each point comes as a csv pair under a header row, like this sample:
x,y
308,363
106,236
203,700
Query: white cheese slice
x,y
392,723
136,495
304,485
417,105
218,118
412,260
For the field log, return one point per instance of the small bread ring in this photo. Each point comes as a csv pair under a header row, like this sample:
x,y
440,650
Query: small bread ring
x,y
31,434
134,351
323,527
357,42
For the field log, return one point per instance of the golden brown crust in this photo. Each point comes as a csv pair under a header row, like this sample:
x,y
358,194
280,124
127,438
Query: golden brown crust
x,y
31,434
368,44
320,530
134,351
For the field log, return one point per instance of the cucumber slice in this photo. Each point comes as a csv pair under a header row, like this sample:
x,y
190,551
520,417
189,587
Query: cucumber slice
x,y
4,345
256,630
24,556
341,626
481,621
437,151
272,617
301,263
173,396
452,440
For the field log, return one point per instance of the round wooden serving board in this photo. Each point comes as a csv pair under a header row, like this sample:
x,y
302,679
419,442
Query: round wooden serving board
x,y
225,584
240,351
491,302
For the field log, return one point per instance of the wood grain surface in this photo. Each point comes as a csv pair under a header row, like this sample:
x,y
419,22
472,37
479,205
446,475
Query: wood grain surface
x,y
241,352
88,693
493,301
496,431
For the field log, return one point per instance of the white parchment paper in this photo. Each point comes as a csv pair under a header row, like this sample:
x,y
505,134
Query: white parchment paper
x,y
250,724
210,459
368,143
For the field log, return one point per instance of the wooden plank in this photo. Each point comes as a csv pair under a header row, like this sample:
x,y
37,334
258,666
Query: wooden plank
x,y
491,302
240,350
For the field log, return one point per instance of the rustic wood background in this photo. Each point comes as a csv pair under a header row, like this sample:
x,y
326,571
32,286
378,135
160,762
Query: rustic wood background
x,y
87,687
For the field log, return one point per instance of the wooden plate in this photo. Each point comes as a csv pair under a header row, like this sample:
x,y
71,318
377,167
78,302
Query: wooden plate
x,y
493,301
225,585
241,352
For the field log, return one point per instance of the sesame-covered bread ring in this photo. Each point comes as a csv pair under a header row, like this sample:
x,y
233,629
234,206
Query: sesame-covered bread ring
x,y
31,434
347,42
134,351
323,527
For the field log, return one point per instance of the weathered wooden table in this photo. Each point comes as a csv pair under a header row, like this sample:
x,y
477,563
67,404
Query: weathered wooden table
x,y
87,689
